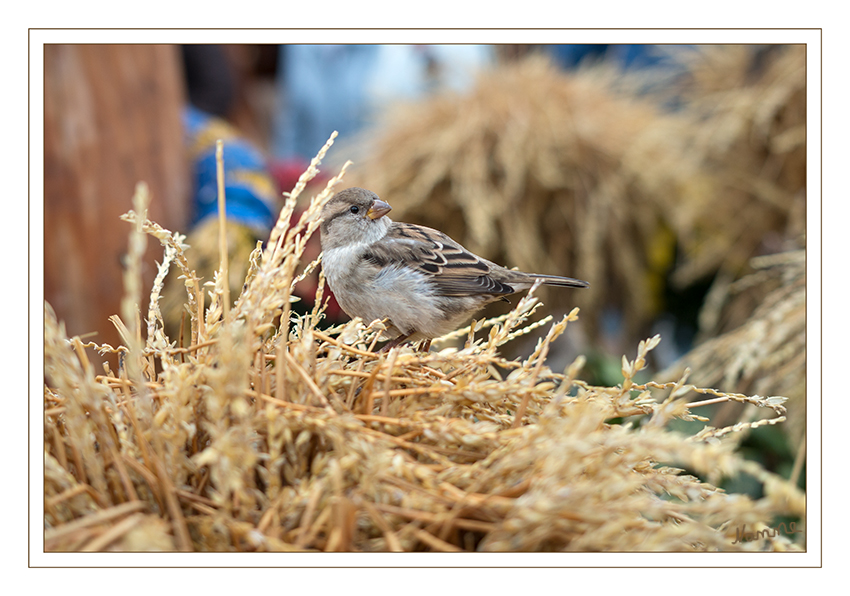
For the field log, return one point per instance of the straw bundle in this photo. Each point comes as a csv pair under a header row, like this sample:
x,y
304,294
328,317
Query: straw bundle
x,y
254,438
526,170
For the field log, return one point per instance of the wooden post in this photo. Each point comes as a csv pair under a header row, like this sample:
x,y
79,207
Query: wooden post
x,y
112,118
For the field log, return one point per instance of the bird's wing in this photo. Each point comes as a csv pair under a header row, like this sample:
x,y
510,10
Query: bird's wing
x,y
453,270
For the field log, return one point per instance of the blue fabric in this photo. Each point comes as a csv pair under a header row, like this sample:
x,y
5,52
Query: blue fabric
x,y
249,190
627,56
321,90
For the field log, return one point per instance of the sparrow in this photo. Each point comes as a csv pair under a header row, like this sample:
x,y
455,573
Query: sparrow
x,y
418,278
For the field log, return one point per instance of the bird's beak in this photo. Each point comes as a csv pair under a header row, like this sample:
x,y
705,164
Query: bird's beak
x,y
378,209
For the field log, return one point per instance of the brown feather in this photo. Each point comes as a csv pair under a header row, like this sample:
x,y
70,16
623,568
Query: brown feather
x,y
454,270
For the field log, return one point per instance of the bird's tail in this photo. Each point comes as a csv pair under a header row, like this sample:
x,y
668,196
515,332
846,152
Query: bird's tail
x,y
566,282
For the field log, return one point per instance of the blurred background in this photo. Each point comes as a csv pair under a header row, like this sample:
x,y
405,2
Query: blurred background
x,y
672,178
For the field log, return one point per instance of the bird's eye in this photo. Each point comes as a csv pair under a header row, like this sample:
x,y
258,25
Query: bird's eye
x,y
354,209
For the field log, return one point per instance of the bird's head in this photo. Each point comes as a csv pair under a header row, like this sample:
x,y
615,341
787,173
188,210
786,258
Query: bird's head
x,y
354,215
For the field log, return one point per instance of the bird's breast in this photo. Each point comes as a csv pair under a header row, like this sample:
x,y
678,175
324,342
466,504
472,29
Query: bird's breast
x,y
370,292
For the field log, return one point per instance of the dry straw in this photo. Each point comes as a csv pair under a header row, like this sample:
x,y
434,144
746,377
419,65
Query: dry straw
x,y
765,352
257,437
746,108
